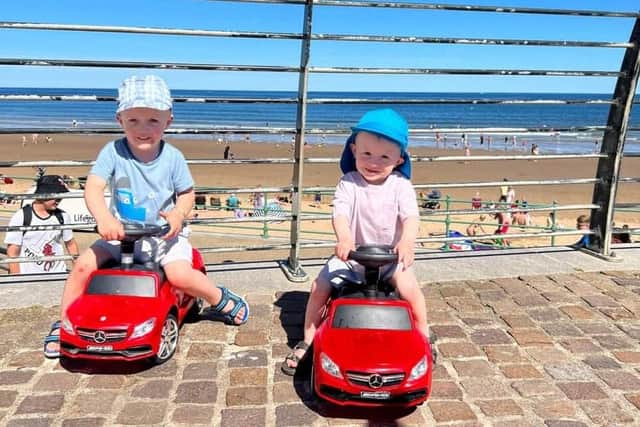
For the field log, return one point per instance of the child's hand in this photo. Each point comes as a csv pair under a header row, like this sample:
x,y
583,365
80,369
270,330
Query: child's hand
x,y
174,218
342,249
406,253
111,229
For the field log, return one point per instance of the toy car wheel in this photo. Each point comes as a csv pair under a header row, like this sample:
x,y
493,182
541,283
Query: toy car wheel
x,y
168,339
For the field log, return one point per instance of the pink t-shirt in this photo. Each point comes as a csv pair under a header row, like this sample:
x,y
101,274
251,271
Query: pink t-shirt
x,y
375,212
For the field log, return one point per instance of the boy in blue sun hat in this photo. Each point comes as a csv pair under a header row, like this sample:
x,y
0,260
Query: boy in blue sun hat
x,y
151,184
374,204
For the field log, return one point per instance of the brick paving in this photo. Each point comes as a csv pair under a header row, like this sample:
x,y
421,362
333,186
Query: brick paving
x,y
555,350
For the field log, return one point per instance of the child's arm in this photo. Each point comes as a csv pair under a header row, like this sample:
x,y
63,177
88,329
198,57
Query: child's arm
x,y
343,235
13,251
176,216
406,245
109,227
72,248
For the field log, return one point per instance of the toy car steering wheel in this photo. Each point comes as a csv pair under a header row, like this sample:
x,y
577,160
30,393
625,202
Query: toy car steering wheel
x,y
373,256
135,231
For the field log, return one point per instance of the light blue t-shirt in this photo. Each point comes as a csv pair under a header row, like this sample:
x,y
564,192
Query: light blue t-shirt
x,y
141,190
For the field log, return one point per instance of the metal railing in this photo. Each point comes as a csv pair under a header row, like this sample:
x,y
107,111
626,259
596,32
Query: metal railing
x,y
614,131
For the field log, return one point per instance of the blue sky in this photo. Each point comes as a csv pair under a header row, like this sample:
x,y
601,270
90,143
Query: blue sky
x,y
220,15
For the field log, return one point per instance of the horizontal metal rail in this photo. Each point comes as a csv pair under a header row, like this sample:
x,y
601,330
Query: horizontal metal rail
x,y
233,100
298,36
41,62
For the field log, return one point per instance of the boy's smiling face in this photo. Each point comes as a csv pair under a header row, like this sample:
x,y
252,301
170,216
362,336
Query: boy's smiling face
x,y
376,157
144,128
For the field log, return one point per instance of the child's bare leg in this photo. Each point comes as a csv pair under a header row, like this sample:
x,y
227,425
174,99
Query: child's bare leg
x,y
409,290
195,283
318,297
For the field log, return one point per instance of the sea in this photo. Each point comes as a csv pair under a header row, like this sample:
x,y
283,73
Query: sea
x,y
486,126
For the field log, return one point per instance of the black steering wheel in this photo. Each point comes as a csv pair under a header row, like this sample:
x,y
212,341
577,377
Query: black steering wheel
x,y
374,256
134,231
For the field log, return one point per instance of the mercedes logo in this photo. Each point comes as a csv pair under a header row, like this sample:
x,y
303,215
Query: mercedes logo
x,y
101,337
376,381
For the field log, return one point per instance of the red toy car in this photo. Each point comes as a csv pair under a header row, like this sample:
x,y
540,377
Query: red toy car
x,y
368,351
129,311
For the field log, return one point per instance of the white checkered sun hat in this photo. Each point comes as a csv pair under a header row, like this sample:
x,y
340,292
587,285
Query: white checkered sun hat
x,y
144,92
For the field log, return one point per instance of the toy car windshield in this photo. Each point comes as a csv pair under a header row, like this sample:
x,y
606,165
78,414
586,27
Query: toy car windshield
x,y
135,286
371,317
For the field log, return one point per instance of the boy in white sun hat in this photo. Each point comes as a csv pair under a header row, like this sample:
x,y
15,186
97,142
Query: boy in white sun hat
x,y
150,183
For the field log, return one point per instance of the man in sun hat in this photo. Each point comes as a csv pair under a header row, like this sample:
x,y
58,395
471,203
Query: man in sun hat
x,y
374,204
37,243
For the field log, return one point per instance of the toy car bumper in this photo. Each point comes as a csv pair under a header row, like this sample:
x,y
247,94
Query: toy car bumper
x,y
340,396
106,351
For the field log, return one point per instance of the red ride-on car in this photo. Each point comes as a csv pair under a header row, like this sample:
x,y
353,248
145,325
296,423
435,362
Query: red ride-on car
x,y
368,351
129,311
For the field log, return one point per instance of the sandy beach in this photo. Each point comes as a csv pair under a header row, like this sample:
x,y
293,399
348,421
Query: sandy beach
x,y
86,147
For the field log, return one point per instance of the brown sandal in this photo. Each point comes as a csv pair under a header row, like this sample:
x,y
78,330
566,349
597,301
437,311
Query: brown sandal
x,y
292,356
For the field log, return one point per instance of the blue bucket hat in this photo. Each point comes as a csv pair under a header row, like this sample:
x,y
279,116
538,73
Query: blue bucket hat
x,y
387,124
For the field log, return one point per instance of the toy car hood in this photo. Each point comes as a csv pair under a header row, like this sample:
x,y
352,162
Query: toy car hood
x,y
377,348
105,310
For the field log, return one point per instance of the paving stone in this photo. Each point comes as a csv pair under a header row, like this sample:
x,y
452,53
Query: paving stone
x,y
527,337
294,415
84,422
240,396
491,337
7,397
26,359
106,381
594,327
196,392
451,411
458,350
556,297
613,342
448,331
473,368
465,305
634,398
617,313
570,371
530,300
207,331
499,408
606,412
440,373
196,414
564,423
493,295
632,331
582,390
579,346
454,291
251,338
577,312
601,362
447,390
600,301
30,422
57,381
16,377
248,376
620,380
561,329
154,389
169,369
93,402
485,388
43,403
205,351
200,371
520,371
139,413
478,322
243,417
249,358
627,356
535,388
518,321
548,354
555,408
504,354
285,392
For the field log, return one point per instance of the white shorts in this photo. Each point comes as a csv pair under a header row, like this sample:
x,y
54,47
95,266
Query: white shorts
x,y
166,251
336,271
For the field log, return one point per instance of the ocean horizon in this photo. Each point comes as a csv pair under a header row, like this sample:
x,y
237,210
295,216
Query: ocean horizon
x,y
543,113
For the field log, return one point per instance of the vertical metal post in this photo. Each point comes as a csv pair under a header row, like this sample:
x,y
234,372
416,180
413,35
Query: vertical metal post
x,y
291,267
604,192
554,223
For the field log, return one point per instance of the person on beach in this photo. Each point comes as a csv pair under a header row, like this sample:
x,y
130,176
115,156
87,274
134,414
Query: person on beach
x,y
38,243
583,223
151,184
476,227
225,155
374,203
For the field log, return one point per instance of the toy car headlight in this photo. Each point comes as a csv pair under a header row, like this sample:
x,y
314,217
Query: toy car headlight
x,y
329,366
419,370
67,326
143,328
